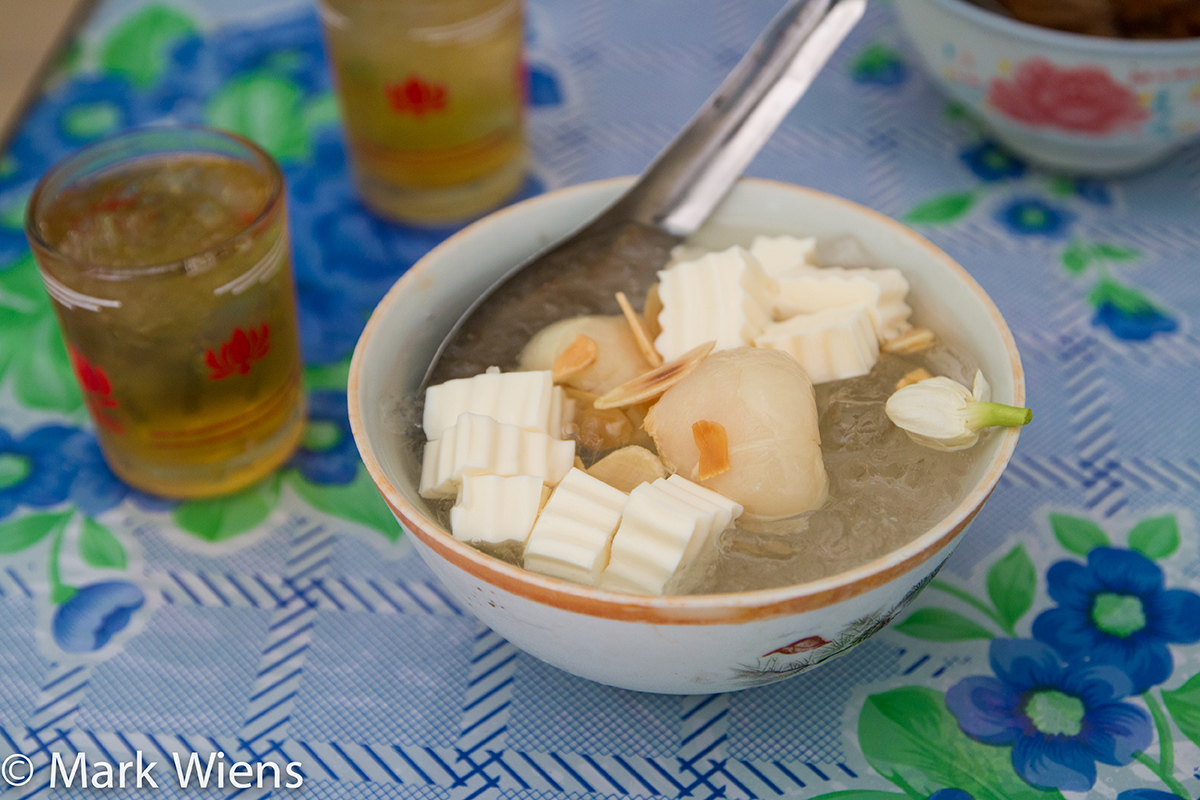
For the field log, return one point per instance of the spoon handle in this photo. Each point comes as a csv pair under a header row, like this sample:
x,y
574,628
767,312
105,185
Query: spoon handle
x,y
694,172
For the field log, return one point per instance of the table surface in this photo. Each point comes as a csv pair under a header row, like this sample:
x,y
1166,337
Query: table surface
x,y
27,39
294,622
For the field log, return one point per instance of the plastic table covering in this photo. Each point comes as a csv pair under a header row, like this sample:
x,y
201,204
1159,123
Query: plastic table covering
x,y
1054,655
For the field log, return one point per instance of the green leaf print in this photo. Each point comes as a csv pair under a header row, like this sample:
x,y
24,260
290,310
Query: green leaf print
x,y
1129,300
99,548
1155,538
19,534
859,794
1011,584
1116,252
327,376
44,379
137,48
877,60
941,625
22,294
321,111
219,519
358,501
1078,535
32,350
12,216
92,120
1077,258
265,108
12,343
1062,187
941,210
910,737
1184,706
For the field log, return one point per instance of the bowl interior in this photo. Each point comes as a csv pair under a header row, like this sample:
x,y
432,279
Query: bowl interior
x,y
411,321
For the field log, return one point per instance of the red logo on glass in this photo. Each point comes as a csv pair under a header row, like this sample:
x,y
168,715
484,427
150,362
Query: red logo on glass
x,y
97,390
416,96
237,354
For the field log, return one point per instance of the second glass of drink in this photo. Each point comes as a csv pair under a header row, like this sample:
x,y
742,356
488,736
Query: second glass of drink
x,y
432,98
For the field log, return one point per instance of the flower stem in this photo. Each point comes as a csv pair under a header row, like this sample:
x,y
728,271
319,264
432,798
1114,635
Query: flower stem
x,y
904,785
974,603
1166,742
59,592
1166,777
986,415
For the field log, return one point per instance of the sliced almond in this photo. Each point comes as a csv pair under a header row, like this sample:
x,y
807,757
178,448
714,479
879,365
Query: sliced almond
x,y
578,356
638,326
628,468
913,376
652,308
914,341
653,383
713,444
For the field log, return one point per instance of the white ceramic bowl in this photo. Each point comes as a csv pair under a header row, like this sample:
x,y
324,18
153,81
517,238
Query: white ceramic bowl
x,y
681,645
1085,104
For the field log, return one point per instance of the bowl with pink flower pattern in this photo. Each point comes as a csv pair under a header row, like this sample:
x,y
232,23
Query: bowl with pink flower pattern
x,y
1079,103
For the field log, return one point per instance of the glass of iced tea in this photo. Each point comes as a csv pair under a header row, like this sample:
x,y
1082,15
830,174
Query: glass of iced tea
x,y
432,97
165,251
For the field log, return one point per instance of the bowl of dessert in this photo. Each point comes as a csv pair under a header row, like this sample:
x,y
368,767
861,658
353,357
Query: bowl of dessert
x,y
1087,86
722,479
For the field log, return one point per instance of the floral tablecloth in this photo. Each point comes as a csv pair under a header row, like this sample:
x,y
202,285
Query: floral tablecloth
x,y
1055,655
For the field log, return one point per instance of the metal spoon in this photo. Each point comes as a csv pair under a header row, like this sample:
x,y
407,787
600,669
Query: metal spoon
x,y
622,248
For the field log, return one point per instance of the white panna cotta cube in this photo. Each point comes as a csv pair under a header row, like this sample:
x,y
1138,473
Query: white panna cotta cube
x,y
831,345
572,536
479,445
723,297
495,510
524,399
807,290
666,525
778,254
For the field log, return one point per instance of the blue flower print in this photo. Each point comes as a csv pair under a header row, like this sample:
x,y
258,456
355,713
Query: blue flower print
x,y
990,162
1031,216
345,257
33,468
1093,191
329,323
543,87
1134,326
327,453
191,77
880,65
54,464
72,114
950,794
1115,611
199,65
82,110
292,47
95,489
95,614
1147,794
1060,719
